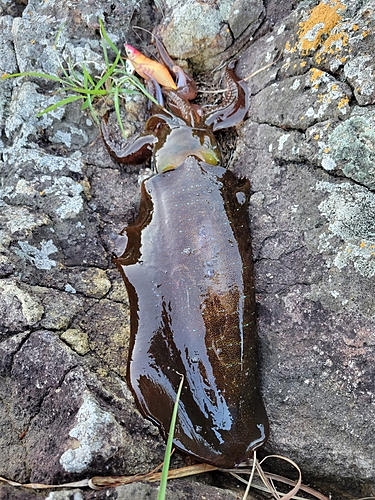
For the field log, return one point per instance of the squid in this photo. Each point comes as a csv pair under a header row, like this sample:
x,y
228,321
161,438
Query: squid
x,y
187,266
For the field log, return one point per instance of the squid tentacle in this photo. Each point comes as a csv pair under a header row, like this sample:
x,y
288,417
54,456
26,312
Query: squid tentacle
x,y
186,86
134,151
235,105
192,114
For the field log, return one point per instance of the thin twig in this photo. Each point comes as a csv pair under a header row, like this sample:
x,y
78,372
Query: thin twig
x,y
262,69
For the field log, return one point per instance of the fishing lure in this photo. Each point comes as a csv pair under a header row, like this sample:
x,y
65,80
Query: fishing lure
x,y
187,265
147,68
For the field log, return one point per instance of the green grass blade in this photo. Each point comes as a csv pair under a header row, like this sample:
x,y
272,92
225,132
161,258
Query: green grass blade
x,y
125,90
164,474
116,102
76,76
114,83
108,73
87,78
65,73
138,85
107,39
58,34
69,99
88,103
33,73
105,53
83,91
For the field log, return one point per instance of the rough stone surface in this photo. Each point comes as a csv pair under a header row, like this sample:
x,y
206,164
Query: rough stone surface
x,y
216,27
308,149
138,491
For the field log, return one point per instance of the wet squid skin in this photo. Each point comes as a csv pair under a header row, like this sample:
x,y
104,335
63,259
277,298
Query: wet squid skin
x,y
188,271
187,266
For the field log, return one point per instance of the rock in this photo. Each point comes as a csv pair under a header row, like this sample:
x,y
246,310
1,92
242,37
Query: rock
x,y
308,99
77,339
314,278
138,491
68,421
7,349
313,236
92,282
175,491
308,149
19,309
350,148
107,325
203,32
60,308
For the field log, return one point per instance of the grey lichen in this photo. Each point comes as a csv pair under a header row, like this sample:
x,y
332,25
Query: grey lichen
x,y
38,256
347,243
350,213
18,305
352,150
68,194
89,436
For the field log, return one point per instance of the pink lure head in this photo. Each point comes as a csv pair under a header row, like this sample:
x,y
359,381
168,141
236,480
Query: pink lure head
x,y
131,52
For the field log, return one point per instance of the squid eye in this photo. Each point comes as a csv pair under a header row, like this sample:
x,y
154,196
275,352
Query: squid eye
x,y
210,157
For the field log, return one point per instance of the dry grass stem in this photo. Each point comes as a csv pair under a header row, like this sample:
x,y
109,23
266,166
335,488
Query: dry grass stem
x,y
262,69
101,482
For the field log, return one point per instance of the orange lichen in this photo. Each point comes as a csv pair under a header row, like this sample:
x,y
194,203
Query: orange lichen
x,y
336,40
365,33
343,102
303,64
337,37
324,98
355,27
362,244
288,47
316,137
315,73
323,18
327,150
